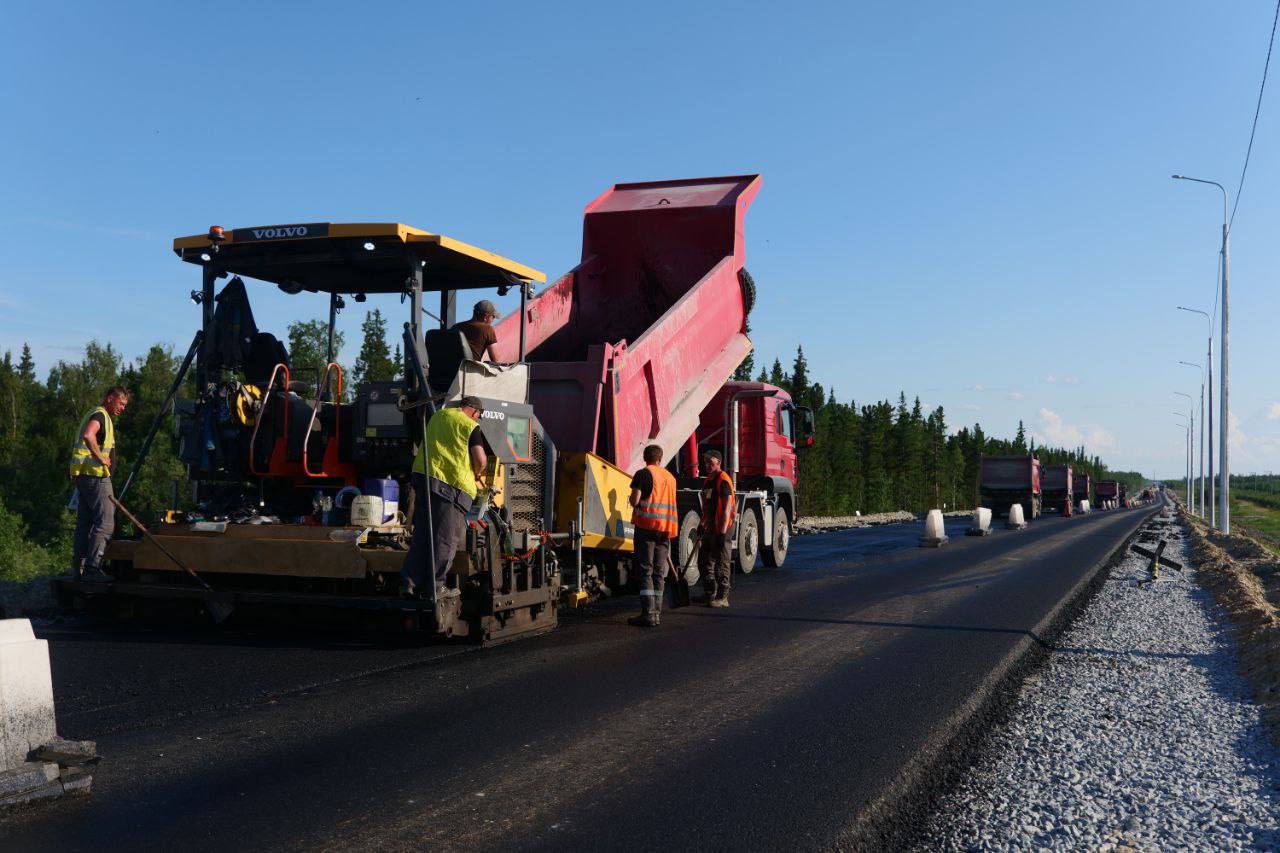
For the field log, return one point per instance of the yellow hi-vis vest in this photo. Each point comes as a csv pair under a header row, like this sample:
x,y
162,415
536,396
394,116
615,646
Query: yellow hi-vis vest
x,y
448,432
82,461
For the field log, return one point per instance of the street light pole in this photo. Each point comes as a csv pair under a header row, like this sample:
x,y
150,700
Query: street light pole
x,y
1213,505
1191,443
1224,413
1186,456
1201,369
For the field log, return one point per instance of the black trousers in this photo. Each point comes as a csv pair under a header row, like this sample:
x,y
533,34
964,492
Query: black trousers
x,y
653,551
715,561
446,533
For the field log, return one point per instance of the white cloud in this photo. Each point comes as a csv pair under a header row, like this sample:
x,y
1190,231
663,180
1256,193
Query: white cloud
x,y
1016,395
1099,439
1273,414
1051,379
979,388
1054,431
971,407
1072,380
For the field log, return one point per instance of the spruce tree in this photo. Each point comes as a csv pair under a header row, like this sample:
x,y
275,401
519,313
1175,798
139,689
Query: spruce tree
x,y
374,363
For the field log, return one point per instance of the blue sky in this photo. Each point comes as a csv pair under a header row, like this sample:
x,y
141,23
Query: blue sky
x,y
968,202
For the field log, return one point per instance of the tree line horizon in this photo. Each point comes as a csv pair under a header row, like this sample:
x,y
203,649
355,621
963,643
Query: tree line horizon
x,y
870,458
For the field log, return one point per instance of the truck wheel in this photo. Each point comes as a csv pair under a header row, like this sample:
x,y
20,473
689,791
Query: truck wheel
x,y
776,554
748,285
748,548
684,547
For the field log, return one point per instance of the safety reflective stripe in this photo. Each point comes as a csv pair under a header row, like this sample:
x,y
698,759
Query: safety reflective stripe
x,y
82,461
658,512
649,592
726,510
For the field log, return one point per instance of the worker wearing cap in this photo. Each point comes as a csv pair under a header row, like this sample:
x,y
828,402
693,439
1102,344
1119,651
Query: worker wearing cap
x,y
447,473
93,455
719,510
479,330
653,513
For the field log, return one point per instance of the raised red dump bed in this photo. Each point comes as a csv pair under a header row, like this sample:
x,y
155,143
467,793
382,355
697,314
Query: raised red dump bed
x,y
628,347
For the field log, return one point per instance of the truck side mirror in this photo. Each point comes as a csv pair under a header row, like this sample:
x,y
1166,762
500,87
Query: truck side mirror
x,y
807,429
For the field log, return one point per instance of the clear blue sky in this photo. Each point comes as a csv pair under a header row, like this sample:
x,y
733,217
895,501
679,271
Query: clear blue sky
x,y
968,202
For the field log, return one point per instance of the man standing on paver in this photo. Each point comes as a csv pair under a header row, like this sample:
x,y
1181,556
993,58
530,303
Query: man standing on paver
x,y
719,510
446,477
653,512
93,455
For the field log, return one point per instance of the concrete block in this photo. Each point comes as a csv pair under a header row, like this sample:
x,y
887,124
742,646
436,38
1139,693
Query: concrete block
x,y
981,522
1084,507
76,780
935,535
24,777
67,753
44,792
1017,520
26,693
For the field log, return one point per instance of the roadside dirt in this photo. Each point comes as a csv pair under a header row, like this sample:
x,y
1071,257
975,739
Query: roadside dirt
x,y
1245,578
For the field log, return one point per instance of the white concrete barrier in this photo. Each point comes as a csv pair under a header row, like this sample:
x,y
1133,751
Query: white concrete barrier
x,y
935,533
1084,507
981,522
1017,520
26,693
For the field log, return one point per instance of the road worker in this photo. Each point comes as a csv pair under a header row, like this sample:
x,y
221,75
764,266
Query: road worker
x,y
653,512
479,330
719,509
448,473
93,455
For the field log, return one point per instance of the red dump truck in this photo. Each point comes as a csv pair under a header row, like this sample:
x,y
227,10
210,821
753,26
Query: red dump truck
x,y
1057,488
634,346
1107,490
1080,486
1009,480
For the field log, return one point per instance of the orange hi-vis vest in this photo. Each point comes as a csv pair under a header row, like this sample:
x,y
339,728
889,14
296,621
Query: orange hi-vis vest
x,y
726,509
658,511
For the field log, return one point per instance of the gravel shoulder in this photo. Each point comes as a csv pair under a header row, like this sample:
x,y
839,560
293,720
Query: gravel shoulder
x,y
1138,733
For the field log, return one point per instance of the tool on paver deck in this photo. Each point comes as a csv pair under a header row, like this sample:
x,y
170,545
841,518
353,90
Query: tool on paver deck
x,y
219,606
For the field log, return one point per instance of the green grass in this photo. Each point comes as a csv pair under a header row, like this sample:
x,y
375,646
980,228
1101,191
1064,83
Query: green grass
x,y
1259,521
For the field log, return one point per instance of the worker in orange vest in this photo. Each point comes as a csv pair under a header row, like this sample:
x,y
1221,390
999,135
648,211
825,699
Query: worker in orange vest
x,y
653,513
719,510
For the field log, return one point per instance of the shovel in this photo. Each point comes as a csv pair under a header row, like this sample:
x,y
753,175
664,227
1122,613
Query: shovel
x,y
218,605
680,594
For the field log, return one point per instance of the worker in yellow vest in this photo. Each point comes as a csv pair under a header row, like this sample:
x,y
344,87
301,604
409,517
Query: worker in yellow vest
x,y
447,475
653,513
719,511
93,455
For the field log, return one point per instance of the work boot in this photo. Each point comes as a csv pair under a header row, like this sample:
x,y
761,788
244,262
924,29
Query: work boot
x,y
721,601
643,620
444,591
408,589
712,594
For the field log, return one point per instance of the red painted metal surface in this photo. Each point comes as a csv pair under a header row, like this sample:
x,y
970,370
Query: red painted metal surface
x,y
629,347
764,450
1011,472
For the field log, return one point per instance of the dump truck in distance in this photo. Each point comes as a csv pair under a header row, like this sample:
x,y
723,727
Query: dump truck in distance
x,y
1108,490
1080,486
1009,480
1056,488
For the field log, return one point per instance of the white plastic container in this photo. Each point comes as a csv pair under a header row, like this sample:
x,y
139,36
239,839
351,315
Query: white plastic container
x,y
367,511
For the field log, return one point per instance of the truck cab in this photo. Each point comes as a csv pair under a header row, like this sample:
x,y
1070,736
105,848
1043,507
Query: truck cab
x,y
759,430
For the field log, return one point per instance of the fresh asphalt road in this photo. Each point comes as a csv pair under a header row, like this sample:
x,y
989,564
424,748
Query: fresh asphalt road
x,y
788,720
